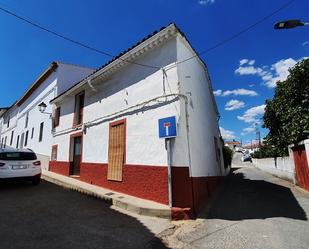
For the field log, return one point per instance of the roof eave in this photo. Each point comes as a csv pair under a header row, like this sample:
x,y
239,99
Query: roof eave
x,y
128,57
52,67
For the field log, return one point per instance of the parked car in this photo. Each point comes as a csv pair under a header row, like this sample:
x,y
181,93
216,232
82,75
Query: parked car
x,y
20,164
246,157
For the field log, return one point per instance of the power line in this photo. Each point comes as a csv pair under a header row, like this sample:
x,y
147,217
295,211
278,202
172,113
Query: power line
x,y
240,32
140,64
68,38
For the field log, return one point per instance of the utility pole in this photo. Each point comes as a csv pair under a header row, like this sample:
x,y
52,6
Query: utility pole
x,y
258,134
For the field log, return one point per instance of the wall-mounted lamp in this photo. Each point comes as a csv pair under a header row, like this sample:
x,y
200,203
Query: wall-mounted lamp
x,y
42,107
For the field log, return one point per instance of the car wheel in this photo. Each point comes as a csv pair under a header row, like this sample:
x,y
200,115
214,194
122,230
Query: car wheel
x,y
36,180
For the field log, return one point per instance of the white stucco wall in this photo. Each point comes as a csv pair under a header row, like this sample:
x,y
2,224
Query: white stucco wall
x,y
129,86
69,75
62,78
202,117
282,167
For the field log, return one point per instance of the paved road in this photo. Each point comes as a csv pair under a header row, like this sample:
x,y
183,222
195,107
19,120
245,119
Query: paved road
x,y
253,210
47,216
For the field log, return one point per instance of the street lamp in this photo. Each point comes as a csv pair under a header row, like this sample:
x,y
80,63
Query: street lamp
x,y
42,107
289,24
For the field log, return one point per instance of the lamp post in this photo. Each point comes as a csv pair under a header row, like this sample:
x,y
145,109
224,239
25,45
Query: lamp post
x,y
42,107
290,24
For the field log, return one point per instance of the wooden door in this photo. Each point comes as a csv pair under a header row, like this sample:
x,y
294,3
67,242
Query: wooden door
x,y
77,153
116,151
301,166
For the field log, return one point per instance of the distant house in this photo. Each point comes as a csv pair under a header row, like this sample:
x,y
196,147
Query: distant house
x,y
23,125
108,132
254,146
233,145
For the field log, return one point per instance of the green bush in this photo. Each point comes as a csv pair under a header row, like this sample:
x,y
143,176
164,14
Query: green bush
x,y
267,151
227,156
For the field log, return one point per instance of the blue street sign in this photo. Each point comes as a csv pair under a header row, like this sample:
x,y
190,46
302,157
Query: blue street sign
x,y
167,127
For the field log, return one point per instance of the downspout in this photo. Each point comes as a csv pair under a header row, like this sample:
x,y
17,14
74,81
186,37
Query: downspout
x,y
189,155
220,136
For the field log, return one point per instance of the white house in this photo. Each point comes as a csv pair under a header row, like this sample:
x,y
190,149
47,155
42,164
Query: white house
x,y
108,128
23,125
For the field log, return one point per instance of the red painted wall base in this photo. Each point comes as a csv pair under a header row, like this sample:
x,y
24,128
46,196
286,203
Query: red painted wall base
x,y
190,194
150,182
147,182
62,168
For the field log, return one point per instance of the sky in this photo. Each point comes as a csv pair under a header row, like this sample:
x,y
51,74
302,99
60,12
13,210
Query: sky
x,y
243,71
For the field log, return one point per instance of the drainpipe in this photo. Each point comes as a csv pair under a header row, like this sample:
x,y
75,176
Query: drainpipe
x,y
189,154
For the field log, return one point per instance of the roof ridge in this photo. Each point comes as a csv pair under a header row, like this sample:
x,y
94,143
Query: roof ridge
x,y
73,64
123,53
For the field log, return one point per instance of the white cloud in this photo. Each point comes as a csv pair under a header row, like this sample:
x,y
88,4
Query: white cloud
x,y
251,85
246,61
247,130
251,62
243,61
248,70
278,71
281,69
234,104
226,134
205,2
218,92
253,114
236,92
306,44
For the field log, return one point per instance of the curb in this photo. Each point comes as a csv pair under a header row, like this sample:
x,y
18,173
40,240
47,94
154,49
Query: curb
x,y
304,191
300,189
146,211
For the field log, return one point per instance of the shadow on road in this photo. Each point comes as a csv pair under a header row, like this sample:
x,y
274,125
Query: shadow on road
x,y
242,198
47,216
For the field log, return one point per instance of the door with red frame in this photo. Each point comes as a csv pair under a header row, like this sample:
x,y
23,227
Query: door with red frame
x,y
77,155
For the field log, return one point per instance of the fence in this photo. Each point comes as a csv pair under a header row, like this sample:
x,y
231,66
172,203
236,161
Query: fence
x,y
282,167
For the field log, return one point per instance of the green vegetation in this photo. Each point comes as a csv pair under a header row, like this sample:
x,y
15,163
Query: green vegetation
x,y
287,114
227,156
267,151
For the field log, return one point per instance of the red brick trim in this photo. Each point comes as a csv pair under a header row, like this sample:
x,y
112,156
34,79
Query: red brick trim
x,y
147,182
190,194
60,167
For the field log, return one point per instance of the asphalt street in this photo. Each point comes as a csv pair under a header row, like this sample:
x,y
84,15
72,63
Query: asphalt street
x,y
48,216
252,210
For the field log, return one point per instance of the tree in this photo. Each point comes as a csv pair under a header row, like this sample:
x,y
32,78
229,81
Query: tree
x,y
227,156
287,114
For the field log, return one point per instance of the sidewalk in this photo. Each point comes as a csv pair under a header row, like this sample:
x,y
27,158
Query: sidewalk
x,y
126,202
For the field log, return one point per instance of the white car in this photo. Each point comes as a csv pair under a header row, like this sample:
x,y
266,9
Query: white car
x,y
246,157
20,164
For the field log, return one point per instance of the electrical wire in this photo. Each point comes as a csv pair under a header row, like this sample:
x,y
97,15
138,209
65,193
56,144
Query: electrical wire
x,y
239,33
39,26
99,119
27,20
